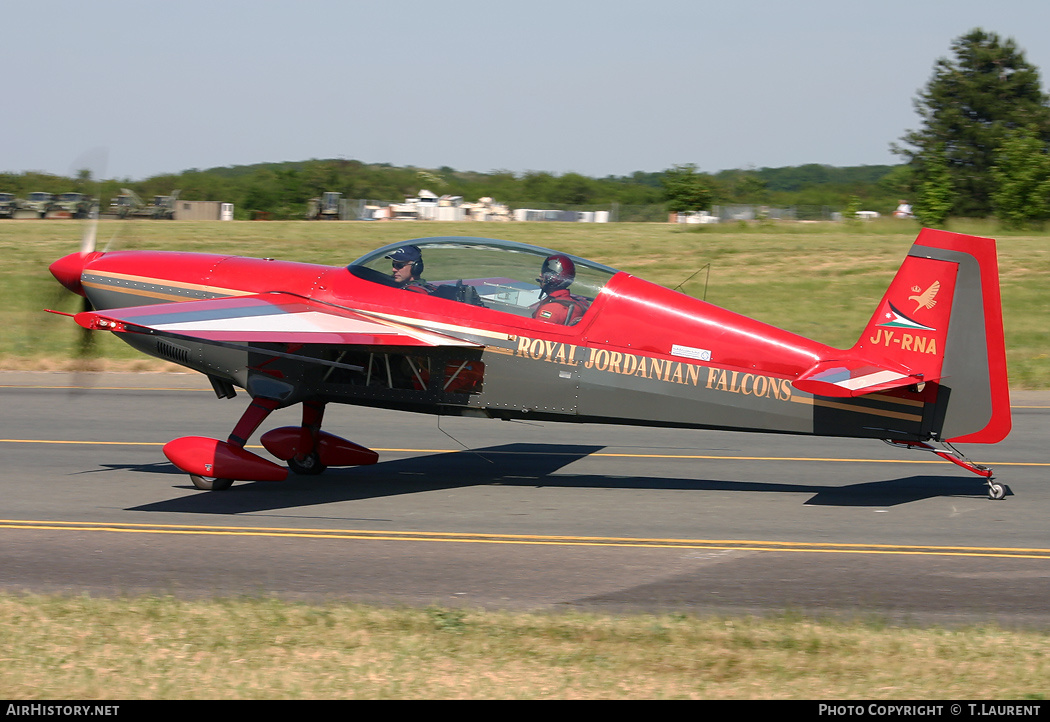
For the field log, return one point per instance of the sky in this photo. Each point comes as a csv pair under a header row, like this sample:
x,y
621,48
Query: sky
x,y
134,88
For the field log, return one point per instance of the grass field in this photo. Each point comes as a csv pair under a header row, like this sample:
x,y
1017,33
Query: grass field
x,y
819,280
164,648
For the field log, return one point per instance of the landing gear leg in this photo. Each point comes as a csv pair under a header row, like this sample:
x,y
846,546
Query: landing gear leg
x,y
308,461
252,417
950,453
214,465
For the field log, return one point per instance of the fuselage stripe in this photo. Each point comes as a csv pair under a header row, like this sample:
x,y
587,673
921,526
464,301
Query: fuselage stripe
x,y
175,286
857,409
138,292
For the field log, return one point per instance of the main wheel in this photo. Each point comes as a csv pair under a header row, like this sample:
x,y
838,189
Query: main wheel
x,y
309,465
208,483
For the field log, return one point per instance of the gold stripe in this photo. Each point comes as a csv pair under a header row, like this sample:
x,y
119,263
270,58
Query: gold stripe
x,y
896,400
137,292
171,284
856,409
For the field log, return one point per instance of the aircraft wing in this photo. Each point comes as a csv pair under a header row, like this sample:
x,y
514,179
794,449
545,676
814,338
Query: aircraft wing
x,y
264,318
854,377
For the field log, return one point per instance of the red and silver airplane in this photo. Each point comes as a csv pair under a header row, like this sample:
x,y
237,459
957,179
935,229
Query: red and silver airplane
x,y
511,331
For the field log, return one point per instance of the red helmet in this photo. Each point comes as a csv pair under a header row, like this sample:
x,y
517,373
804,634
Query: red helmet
x,y
558,272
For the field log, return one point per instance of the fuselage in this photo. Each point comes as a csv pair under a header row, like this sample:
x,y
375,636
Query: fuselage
x,y
643,354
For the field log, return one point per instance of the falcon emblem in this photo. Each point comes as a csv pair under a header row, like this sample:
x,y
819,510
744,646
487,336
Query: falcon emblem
x,y
926,299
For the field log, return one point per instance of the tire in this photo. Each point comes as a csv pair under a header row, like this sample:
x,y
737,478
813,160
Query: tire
x,y
207,483
309,466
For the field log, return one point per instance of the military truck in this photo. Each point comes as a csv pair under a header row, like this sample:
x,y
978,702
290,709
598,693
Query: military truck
x,y
35,205
70,205
7,204
325,208
162,207
118,207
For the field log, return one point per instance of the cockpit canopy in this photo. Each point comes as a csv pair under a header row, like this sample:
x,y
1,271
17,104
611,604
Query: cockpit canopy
x,y
501,275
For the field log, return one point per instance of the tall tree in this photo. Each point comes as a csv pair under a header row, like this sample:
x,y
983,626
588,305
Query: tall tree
x,y
968,106
1022,176
686,190
935,190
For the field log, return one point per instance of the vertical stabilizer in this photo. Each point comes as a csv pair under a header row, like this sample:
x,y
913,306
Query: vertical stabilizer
x,y
939,327
942,319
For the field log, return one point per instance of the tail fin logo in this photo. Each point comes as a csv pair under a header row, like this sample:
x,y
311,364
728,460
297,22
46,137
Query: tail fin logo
x,y
926,299
893,318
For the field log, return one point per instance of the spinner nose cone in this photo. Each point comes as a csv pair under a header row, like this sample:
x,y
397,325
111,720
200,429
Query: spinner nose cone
x,y
68,270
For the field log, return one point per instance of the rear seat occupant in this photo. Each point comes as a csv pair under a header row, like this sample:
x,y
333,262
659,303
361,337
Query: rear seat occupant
x,y
556,304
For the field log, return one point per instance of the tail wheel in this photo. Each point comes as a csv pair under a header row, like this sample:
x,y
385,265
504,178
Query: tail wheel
x,y
209,483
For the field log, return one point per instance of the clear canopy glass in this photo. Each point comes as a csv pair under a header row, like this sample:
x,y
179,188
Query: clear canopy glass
x,y
503,275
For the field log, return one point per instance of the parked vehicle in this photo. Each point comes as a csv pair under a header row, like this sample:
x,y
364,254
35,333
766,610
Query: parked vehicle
x,y
70,205
7,204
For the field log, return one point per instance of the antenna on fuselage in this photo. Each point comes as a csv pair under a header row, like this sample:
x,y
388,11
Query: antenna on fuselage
x,y
706,279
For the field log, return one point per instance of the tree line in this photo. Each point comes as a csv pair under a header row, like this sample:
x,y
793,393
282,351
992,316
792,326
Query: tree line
x,y
282,190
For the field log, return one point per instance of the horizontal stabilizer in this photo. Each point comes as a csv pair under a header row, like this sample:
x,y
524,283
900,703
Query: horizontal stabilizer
x,y
844,378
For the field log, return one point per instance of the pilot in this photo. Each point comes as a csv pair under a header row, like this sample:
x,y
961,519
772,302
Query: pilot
x,y
556,304
408,269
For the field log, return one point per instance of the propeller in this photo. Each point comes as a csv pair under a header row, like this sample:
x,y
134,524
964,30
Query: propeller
x,y
59,301
88,165
87,342
88,238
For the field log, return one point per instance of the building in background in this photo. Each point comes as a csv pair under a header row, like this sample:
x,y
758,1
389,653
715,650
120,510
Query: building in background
x,y
203,211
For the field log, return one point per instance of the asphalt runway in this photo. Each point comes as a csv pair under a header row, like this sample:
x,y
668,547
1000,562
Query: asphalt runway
x,y
518,515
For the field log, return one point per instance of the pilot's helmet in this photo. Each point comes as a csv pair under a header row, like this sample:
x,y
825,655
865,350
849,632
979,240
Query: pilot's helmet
x,y
558,272
408,254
